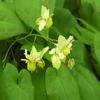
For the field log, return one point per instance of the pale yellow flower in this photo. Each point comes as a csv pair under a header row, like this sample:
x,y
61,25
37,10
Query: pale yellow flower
x,y
65,45
57,57
62,49
71,63
34,59
45,20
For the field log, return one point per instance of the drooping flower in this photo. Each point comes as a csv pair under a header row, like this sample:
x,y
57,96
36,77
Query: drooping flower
x,y
62,49
65,45
34,59
57,57
71,63
45,20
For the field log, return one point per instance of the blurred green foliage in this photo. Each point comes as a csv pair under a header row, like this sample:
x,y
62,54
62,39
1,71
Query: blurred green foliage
x,y
18,31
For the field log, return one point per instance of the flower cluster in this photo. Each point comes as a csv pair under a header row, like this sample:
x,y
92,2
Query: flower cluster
x,y
59,53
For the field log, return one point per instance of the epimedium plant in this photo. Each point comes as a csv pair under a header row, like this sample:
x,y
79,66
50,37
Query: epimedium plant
x,y
49,50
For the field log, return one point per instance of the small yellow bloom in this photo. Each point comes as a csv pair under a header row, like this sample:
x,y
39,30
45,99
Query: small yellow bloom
x,y
56,62
45,20
71,63
56,58
34,59
62,49
64,44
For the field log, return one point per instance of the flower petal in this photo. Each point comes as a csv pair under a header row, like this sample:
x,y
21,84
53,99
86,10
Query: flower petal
x,y
61,42
43,52
31,66
26,54
33,52
49,22
44,12
52,51
56,62
62,56
42,24
66,51
70,39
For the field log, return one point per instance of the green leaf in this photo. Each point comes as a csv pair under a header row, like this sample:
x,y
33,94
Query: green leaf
x,y
97,46
38,79
10,4
63,21
71,5
84,34
79,56
28,10
16,86
10,25
87,25
87,82
86,9
60,3
60,85
45,33
27,45
90,11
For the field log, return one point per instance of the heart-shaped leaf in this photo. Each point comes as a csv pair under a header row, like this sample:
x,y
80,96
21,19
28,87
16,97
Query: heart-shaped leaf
x,y
60,85
16,86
